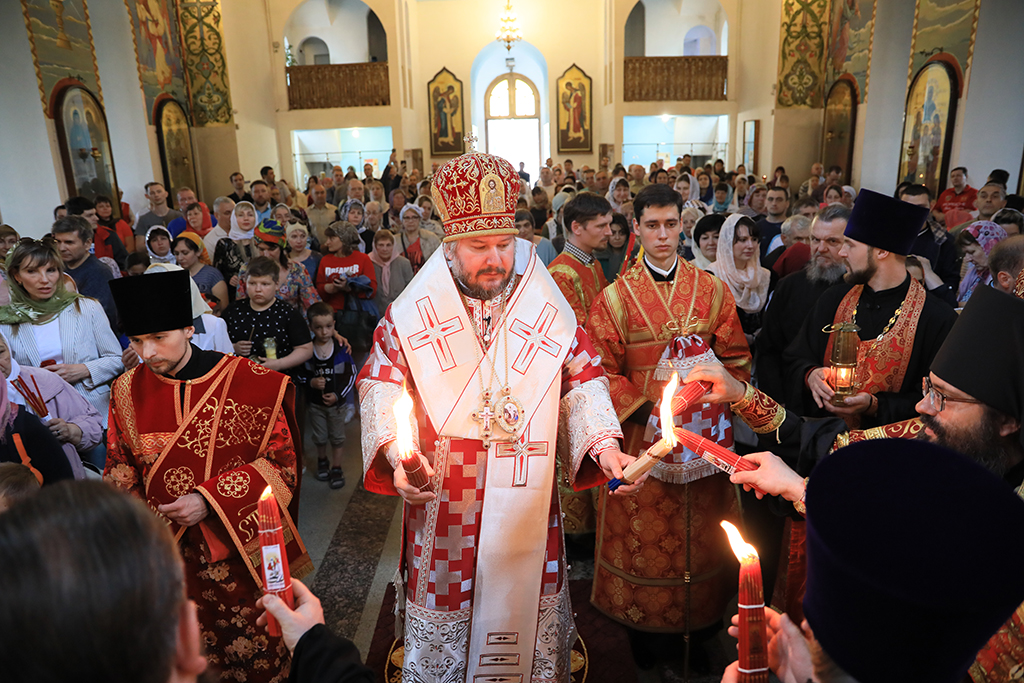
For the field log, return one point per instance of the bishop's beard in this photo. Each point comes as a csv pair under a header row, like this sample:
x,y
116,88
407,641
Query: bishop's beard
x,y
471,283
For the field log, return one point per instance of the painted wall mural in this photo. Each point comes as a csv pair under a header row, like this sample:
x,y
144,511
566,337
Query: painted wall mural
x,y
205,65
155,27
945,26
928,127
802,53
851,32
61,40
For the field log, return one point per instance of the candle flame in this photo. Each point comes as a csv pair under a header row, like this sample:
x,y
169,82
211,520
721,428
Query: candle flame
x,y
403,426
267,494
668,434
742,549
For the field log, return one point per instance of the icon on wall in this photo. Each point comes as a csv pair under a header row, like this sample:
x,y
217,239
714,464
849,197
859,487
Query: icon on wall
x,y
575,111
447,122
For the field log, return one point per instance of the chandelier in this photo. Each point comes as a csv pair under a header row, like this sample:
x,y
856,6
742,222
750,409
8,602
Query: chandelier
x,y
509,32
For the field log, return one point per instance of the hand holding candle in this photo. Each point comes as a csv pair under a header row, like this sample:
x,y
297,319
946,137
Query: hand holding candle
x,y
753,646
670,404
720,457
408,456
277,578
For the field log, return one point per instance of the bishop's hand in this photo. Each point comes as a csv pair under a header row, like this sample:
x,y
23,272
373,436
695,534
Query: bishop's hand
x,y
188,510
612,461
411,494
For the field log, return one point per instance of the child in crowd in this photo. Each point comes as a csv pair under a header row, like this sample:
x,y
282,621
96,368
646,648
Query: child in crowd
x,y
329,377
17,482
136,263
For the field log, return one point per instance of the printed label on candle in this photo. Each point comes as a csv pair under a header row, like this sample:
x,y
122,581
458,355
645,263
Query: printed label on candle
x,y
273,569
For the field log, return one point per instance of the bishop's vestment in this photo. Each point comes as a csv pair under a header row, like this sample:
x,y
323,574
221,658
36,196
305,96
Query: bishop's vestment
x,y
223,431
485,590
662,561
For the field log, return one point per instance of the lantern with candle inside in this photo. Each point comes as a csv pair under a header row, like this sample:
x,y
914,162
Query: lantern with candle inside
x,y
660,448
845,343
408,456
753,646
277,578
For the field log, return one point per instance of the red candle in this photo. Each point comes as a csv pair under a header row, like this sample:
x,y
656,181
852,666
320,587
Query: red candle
x,y
753,647
410,459
720,457
277,578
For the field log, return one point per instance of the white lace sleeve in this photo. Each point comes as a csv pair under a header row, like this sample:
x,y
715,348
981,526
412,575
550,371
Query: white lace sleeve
x,y
586,418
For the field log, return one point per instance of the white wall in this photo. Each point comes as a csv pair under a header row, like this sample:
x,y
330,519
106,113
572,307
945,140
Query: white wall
x,y
339,23
756,76
991,119
669,20
251,65
134,160
882,132
30,189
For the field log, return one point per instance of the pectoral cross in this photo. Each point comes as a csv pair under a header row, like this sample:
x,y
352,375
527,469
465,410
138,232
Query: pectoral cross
x,y
485,416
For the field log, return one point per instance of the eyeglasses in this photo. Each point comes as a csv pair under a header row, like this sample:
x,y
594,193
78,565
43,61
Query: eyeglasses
x,y
937,398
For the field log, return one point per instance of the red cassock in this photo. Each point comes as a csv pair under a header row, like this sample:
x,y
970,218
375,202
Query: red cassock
x,y
228,440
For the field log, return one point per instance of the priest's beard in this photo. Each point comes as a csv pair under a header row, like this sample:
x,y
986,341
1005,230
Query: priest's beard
x,y
862,277
471,285
981,442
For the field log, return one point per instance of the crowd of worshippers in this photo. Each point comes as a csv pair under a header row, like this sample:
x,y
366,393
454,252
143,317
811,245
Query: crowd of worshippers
x,y
298,280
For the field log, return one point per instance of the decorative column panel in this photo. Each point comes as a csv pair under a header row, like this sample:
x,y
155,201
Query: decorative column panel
x,y
802,54
944,30
206,69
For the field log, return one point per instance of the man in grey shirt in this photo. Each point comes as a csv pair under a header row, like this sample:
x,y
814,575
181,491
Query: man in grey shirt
x,y
159,213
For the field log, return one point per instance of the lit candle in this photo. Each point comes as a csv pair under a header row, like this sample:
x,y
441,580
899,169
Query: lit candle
x,y
719,456
277,578
406,453
753,633
670,405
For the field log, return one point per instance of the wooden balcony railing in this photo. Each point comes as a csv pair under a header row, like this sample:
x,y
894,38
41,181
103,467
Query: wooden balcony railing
x,y
321,86
675,79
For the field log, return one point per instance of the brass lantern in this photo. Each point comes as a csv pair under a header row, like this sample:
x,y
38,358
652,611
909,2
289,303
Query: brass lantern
x,y
845,343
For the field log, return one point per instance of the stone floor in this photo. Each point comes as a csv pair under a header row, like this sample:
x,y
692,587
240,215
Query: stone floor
x,y
355,536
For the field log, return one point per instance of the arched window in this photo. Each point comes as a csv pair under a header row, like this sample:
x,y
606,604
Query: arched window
x,y
512,115
699,41
636,32
85,145
376,38
314,51
175,140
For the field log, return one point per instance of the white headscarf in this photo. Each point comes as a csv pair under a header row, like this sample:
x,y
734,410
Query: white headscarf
x,y
749,286
694,187
13,395
236,233
166,258
616,207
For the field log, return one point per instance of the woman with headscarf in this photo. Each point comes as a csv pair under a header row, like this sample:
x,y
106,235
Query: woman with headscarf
x,y
75,422
976,242
158,245
706,189
737,265
688,219
294,286
705,240
26,440
299,250
235,251
739,196
186,250
753,205
354,212
688,186
849,196
618,194
47,325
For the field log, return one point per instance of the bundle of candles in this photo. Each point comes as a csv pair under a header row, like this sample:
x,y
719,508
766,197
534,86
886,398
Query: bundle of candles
x,y
277,578
407,454
753,645
671,405
34,399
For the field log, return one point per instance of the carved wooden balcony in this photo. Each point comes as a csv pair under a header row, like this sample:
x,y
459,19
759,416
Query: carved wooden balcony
x,y
322,86
675,79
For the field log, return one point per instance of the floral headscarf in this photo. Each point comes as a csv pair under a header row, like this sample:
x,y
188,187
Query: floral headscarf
x,y
988,235
347,206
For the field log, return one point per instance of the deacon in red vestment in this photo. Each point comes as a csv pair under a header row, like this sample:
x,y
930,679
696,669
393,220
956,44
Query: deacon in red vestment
x,y
497,366
580,278
663,563
199,435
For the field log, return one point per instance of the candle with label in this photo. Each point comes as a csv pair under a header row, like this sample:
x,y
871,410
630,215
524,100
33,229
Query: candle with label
x,y
277,578
753,646
410,459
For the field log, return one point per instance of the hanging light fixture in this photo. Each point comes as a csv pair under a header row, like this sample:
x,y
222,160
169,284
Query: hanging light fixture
x,y
509,32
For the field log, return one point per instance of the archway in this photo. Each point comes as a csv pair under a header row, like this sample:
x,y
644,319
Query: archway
x,y
840,125
699,41
175,138
85,144
636,30
512,116
350,31
314,51
653,29
489,66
